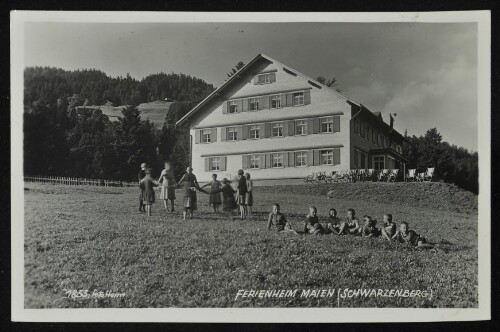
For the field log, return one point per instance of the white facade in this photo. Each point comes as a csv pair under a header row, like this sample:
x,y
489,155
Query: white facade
x,y
326,151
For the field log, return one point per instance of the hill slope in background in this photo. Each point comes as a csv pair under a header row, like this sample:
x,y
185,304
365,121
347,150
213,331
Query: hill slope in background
x,y
437,195
155,111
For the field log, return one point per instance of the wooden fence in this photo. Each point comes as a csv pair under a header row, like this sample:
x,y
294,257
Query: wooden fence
x,y
78,181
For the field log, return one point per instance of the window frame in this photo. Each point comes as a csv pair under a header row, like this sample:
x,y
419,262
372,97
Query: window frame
x,y
329,156
277,125
231,130
303,125
301,98
266,76
375,162
252,158
330,123
254,101
231,104
250,130
273,98
215,161
303,156
206,133
278,155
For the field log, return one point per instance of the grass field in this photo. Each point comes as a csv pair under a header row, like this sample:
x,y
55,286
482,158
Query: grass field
x,y
94,238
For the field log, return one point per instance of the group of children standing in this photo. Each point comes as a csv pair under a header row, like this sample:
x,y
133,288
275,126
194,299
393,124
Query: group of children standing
x,y
349,226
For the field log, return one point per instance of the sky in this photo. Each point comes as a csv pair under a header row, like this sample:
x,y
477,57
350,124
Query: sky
x,y
425,73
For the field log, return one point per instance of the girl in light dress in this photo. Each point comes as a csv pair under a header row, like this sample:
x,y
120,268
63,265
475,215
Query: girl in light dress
x,y
215,197
168,184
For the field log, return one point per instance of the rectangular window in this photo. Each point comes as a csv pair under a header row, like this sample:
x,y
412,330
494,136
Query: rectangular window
x,y
255,132
298,98
278,129
277,159
255,161
327,125
359,159
264,78
215,163
232,134
276,101
206,136
399,149
301,158
301,127
378,163
233,107
253,104
327,157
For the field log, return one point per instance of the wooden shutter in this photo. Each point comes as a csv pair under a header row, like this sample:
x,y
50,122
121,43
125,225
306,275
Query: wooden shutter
x,y
223,134
336,156
291,128
283,99
315,126
245,132
245,106
256,79
224,107
272,77
262,157
240,105
268,160
223,162
264,103
240,133
267,132
310,126
291,159
285,159
244,161
289,99
214,135
285,128
207,164
336,124
317,158
310,158
307,97
262,132
197,136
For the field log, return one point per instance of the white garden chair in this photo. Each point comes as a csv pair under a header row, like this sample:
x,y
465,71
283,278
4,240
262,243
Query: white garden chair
x,y
411,175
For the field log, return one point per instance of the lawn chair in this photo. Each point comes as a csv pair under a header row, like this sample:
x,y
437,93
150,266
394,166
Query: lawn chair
x,y
411,175
393,175
383,175
429,175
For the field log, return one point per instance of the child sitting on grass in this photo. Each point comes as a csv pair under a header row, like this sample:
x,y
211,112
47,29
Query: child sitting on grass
x,y
351,225
278,220
389,227
311,224
408,236
333,222
369,229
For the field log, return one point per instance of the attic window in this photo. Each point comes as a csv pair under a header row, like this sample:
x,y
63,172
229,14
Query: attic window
x,y
264,78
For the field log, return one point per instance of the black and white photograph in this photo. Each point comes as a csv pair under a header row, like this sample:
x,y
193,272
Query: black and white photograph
x,y
250,166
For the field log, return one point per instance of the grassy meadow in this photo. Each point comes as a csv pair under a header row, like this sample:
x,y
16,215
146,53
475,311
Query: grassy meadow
x,y
94,238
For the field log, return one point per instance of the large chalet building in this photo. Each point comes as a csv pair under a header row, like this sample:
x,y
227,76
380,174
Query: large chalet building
x,y
278,124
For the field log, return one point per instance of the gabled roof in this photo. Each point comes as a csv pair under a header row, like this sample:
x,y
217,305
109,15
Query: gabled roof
x,y
243,70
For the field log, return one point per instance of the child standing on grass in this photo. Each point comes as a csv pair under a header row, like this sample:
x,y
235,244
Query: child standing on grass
x,y
242,191
389,227
311,224
278,220
410,237
249,195
228,202
140,176
333,222
147,185
214,200
351,225
369,229
168,185
190,184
